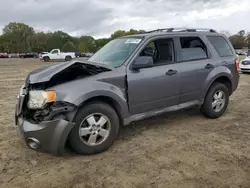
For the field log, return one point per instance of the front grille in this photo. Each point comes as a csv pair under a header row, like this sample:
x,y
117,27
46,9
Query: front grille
x,y
245,62
20,101
20,104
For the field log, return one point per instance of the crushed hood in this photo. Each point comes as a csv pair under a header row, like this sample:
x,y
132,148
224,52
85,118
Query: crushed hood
x,y
45,74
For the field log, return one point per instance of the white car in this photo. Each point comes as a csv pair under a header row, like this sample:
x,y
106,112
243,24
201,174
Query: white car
x,y
56,54
245,65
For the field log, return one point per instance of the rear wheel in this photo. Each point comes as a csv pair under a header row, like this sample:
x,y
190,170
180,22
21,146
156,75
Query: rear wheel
x,y
96,128
68,58
216,101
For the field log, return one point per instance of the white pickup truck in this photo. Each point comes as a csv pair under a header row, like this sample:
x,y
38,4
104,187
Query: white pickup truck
x,y
56,54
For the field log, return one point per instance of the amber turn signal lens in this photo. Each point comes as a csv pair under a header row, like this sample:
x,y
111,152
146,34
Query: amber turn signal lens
x,y
51,96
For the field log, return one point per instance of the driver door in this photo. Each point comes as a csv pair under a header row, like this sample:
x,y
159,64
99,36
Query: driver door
x,y
55,54
156,87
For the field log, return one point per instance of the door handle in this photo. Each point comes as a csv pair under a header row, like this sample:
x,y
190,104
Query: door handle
x,y
209,66
171,72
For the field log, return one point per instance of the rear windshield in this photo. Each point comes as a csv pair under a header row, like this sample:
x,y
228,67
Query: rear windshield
x,y
221,46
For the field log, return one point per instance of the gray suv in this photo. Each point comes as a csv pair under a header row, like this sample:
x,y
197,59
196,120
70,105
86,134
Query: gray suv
x,y
129,79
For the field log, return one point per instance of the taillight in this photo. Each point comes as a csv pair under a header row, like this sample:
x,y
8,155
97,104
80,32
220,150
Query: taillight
x,y
237,65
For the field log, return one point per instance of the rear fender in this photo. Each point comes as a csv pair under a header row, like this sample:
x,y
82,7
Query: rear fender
x,y
213,76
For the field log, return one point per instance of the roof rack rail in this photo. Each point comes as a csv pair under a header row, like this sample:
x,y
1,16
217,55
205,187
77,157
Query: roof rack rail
x,y
171,29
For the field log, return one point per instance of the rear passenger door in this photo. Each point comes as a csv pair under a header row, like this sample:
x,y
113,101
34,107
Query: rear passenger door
x,y
196,63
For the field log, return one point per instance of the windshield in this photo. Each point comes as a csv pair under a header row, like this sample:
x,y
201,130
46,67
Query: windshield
x,y
116,51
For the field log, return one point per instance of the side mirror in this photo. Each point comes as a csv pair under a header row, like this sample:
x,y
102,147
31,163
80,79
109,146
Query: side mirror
x,y
143,62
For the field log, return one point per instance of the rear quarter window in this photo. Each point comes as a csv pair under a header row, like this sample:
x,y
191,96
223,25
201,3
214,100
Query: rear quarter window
x,y
221,45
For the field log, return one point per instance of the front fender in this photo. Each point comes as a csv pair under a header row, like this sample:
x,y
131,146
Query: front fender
x,y
215,74
117,97
77,92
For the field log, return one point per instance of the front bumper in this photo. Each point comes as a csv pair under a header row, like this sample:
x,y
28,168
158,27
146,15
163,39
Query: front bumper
x,y
244,68
49,136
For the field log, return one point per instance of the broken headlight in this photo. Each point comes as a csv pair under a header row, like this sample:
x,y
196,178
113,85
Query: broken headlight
x,y
39,98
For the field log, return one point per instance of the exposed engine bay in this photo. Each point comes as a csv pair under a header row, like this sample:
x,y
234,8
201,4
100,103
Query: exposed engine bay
x,y
73,72
50,111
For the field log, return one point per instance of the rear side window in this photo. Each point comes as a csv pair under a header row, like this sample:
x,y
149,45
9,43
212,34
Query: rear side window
x,y
193,48
221,46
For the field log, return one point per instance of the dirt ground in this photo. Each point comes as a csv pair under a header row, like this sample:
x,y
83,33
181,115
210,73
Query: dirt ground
x,y
181,149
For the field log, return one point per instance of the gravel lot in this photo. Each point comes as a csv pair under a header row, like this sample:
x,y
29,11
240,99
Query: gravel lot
x,y
181,149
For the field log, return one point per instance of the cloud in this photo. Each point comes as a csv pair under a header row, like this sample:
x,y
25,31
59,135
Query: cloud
x,y
101,18
72,16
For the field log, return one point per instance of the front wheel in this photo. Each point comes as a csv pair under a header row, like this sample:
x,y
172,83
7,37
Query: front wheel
x,y
96,128
46,58
216,101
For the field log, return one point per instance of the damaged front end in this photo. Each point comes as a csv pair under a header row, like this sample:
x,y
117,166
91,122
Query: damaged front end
x,y
43,129
39,82
52,111
43,117
64,72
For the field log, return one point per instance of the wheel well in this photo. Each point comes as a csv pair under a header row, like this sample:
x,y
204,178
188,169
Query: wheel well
x,y
225,80
108,100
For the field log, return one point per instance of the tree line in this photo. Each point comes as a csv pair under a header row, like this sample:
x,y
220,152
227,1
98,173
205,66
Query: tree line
x,y
21,38
240,40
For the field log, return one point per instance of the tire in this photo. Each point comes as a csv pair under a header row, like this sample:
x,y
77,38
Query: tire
x,y
68,58
80,144
207,108
46,58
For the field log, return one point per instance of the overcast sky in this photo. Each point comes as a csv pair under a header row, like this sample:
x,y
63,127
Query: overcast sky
x,y
100,18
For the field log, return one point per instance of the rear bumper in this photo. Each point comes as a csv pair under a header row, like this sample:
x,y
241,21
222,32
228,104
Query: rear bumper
x,y
47,136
